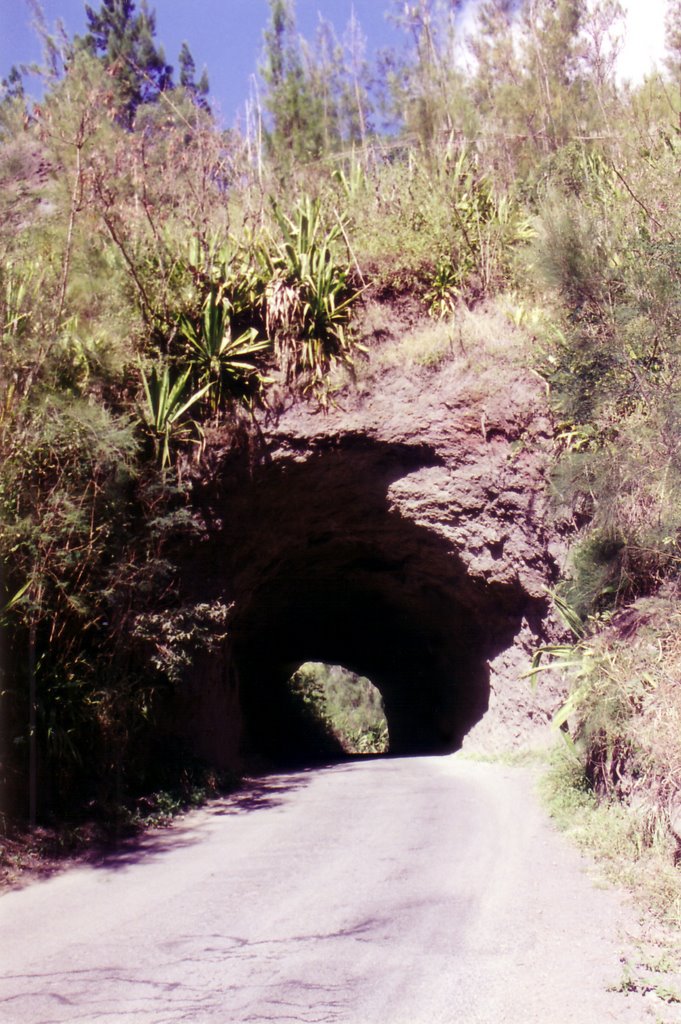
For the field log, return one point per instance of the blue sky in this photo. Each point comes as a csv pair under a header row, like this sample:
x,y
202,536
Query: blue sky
x,y
226,35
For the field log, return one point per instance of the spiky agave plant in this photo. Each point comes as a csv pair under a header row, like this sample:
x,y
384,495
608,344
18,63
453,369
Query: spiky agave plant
x,y
308,295
224,364
166,402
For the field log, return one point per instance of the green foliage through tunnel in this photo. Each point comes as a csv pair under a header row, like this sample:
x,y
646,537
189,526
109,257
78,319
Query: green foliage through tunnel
x,y
348,706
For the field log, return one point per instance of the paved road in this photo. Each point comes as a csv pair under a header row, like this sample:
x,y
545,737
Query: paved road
x,y
415,891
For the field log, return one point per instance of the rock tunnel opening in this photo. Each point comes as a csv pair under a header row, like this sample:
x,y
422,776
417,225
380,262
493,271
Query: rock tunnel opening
x,y
326,568
433,681
348,707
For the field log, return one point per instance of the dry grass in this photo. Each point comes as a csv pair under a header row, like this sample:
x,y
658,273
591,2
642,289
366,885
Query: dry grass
x,y
474,339
644,644
619,794
631,852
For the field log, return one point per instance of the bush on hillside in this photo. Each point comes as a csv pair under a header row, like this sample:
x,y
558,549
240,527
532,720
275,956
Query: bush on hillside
x,y
614,367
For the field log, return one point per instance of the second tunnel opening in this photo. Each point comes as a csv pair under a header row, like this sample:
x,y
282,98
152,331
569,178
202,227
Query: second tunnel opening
x,y
347,706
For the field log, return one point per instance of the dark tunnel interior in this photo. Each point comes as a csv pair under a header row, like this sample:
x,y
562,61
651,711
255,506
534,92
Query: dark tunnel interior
x,y
433,683
326,569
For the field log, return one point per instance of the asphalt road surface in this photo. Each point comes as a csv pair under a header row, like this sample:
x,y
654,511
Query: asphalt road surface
x,y
388,891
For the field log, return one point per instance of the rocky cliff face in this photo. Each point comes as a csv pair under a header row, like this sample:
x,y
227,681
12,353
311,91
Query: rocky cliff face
x,y
402,534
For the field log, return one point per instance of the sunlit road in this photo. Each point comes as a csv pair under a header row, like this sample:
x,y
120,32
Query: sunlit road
x,y
417,891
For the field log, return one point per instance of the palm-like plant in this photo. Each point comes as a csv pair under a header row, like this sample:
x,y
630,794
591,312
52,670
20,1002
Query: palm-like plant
x,y
224,364
167,401
308,296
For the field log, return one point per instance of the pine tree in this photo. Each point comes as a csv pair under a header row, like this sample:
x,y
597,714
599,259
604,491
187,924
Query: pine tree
x,y
197,90
323,66
125,41
496,82
426,82
356,103
13,86
549,57
492,47
296,110
535,75
601,45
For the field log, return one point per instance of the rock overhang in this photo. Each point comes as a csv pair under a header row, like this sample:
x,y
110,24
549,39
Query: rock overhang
x,y
402,534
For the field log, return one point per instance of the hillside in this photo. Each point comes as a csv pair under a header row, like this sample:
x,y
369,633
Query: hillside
x,y
390,384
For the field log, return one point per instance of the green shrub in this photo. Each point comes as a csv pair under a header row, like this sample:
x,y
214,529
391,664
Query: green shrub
x,y
622,725
349,705
614,369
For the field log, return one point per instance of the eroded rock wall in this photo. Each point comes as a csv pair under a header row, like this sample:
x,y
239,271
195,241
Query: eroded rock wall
x,y
404,534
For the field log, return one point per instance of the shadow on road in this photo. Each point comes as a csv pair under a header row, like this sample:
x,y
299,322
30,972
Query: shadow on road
x,y
255,794
261,793
120,851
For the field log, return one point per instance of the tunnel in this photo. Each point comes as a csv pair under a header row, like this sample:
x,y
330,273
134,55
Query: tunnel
x,y
322,566
419,650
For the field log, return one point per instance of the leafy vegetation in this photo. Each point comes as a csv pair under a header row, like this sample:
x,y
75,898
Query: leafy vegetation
x,y
349,705
614,785
131,317
631,850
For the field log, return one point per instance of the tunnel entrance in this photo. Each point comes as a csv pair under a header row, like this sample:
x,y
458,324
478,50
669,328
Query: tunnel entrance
x,y
323,566
424,652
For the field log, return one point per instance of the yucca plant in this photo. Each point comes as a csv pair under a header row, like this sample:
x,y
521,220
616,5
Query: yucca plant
x,y
228,268
354,182
305,240
14,600
166,402
224,364
308,295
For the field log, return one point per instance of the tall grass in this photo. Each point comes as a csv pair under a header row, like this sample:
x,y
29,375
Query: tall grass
x,y
436,225
618,783
613,363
